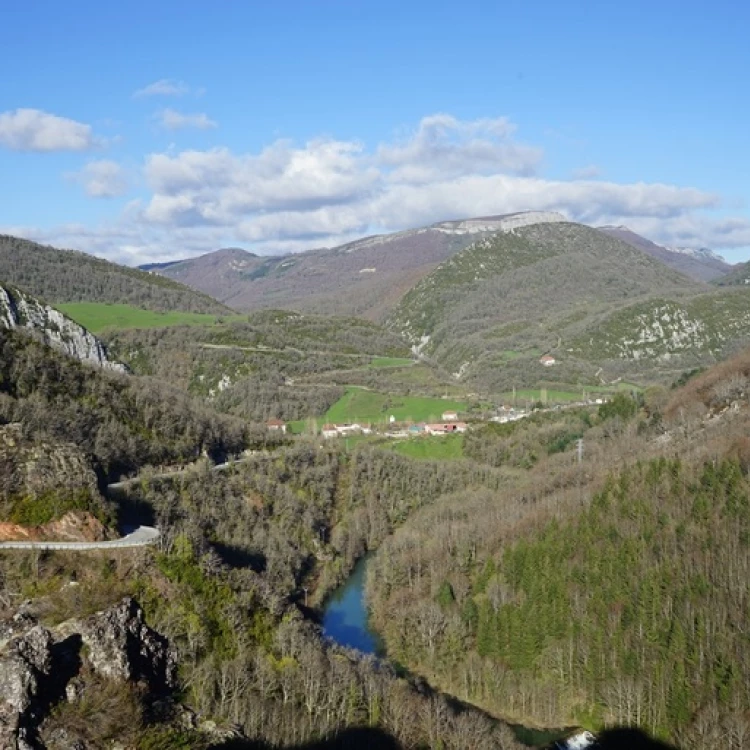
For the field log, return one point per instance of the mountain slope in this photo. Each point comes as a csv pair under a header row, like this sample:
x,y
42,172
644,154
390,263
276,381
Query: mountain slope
x,y
69,276
519,294
701,265
739,276
366,278
20,310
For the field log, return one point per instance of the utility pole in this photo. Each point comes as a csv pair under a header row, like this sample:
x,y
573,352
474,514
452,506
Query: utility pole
x,y
579,449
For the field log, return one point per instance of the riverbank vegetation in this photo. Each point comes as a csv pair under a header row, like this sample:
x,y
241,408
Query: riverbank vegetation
x,y
606,592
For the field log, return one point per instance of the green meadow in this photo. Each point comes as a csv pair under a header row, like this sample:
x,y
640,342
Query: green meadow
x,y
391,362
96,316
445,447
360,405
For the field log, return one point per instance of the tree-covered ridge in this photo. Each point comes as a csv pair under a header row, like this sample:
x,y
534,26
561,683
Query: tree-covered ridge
x,y
70,276
610,591
491,311
274,364
122,422
633,612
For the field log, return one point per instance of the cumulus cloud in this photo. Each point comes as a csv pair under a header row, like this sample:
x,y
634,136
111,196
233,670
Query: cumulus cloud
x,y
443,146
163,87
35,130
217,186
170,119
291,197
102,179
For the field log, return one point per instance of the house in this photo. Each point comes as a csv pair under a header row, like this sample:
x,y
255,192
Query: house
x,y
450,416
445,428
276,425
547,360
329,431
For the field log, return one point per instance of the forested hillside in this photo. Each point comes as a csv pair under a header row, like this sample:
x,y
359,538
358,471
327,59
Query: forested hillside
x,y
602,308
275,364
610,591
122,422
68,276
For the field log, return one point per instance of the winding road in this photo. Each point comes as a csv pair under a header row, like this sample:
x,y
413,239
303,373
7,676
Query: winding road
x,y
141,537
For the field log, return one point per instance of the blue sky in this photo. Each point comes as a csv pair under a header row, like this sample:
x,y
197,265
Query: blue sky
x,y
143,131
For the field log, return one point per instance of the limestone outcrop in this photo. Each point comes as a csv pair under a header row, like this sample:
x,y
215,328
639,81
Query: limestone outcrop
x,y
21,310
41,667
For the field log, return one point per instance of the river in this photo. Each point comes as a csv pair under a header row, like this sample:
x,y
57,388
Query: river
x,y
346,621
345,616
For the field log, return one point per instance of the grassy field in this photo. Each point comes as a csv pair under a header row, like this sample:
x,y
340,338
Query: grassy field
x,y
434,447
391,362
98,315
360,405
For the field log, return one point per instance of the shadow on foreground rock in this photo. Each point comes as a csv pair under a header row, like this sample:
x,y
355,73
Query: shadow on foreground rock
x,y
627,738
349,739
624,738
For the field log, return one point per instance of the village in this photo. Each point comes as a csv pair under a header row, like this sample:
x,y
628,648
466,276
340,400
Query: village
x,y
450,422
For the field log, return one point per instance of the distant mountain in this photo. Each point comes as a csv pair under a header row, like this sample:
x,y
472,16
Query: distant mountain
x,y
489,312
19,310
367,277
69,276
701,264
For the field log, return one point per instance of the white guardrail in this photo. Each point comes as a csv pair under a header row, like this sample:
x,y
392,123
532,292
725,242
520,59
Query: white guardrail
x,y
142,536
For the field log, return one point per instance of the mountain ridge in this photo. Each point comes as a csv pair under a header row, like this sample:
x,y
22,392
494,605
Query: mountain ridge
x,y
59,276
700,264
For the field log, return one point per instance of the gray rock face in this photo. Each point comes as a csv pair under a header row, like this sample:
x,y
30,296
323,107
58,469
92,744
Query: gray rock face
x,y
24,668
20,310
122,647
41,667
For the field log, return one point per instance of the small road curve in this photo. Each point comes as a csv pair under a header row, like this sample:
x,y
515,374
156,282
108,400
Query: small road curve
x,y
141,537
178,472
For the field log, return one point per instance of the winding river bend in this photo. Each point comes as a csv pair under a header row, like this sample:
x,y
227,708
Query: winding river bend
x,y
345,616
346,621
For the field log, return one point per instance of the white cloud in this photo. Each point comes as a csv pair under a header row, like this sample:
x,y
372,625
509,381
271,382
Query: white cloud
x,y
290,197
217,186
35,130
102,179
173,120
163,87
443,146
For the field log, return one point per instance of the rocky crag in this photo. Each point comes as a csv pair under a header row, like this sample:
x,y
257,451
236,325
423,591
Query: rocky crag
x,y
21,310
42,668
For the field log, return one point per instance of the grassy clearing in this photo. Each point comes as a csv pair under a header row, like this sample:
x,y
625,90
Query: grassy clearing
x,y
96,316
377,362
360,405
431,447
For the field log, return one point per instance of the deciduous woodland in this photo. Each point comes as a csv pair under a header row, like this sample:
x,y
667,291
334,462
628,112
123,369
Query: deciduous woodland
x,y
535,583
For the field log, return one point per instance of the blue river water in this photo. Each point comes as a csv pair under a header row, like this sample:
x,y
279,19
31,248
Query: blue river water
x,y
346,621
345,615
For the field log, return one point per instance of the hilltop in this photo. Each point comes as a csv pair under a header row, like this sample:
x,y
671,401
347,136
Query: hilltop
x,y
60,276
489,312
366,278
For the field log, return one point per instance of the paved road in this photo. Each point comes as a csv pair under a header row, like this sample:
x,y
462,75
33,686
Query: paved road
x,y
141,537
177,472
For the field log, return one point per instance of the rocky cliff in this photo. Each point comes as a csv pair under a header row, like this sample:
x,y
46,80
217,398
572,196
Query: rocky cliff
x,y
21,310
40,482
47,674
